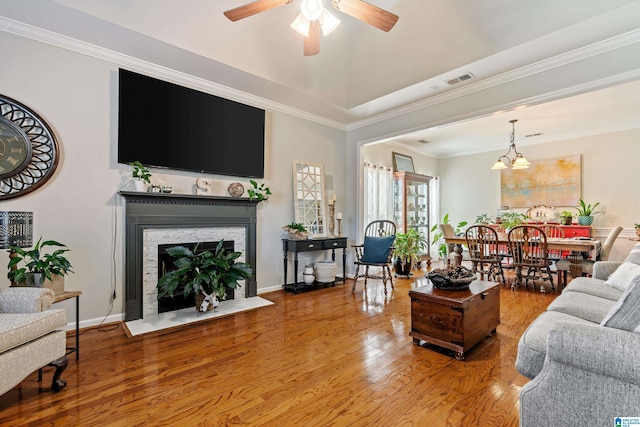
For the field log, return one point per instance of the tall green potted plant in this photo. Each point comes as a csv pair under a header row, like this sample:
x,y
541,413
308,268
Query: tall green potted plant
x,y
205,273
437,237
407,250
40,269
586,212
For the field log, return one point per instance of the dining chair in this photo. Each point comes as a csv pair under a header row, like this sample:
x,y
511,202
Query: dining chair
x,y
376,251
528,246
482,242
554,231
563,266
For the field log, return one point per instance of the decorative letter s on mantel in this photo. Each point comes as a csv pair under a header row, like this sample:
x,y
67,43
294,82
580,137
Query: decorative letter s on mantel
x,y
203,187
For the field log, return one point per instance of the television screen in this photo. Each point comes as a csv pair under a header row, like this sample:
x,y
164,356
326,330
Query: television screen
x,y
165,125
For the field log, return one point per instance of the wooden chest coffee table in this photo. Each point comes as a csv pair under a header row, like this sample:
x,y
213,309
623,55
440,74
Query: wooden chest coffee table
x,y
456,320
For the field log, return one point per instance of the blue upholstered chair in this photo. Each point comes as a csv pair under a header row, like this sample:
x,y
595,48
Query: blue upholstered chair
x,y
376,251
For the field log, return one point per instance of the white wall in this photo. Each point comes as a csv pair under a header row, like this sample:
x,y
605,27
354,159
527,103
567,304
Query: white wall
x,y
610,174
77,96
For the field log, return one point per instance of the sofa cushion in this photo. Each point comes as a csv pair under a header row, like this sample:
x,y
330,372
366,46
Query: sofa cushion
x,y
595,287
625,314
20,328
532,346
583,306
622,277
634,255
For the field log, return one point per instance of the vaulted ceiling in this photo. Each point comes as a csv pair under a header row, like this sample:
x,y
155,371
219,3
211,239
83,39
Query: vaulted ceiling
x,y
361,72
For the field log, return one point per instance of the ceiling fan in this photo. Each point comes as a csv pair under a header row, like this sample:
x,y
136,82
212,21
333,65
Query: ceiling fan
x,y
315,19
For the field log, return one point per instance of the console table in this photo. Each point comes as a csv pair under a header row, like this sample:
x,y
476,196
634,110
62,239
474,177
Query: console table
x,y
309,245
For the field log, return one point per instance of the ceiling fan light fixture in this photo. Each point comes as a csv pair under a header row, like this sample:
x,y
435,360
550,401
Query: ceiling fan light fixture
x,y
301,25
328,22
312,9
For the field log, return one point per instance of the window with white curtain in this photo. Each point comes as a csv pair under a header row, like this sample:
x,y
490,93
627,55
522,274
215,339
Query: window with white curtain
x,y
378,193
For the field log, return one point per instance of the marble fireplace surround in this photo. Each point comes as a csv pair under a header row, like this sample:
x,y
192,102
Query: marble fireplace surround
x,y
158,218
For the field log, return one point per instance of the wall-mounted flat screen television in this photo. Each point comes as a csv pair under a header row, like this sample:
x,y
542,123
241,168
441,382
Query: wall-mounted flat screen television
x,y
161,124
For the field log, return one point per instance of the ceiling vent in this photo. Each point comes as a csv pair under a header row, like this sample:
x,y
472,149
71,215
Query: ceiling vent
x,y
531,135
460,79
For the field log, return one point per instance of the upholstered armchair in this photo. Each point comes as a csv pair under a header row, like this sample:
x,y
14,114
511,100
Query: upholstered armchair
x,y
30,336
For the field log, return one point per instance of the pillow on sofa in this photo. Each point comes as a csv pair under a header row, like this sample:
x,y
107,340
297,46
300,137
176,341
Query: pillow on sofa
x,y
623,276
376,249
625,314
634,255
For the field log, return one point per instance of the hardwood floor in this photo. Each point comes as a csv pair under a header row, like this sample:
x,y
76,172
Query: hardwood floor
x,y
323,358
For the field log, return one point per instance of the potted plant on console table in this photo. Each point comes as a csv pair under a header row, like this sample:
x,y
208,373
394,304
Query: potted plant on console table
x,y
41,269
296,230
204,273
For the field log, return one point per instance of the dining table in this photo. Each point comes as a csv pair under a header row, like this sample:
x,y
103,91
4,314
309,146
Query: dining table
x,y
578,248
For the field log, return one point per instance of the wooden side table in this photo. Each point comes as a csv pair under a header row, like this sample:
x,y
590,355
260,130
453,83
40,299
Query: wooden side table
x,y
63,297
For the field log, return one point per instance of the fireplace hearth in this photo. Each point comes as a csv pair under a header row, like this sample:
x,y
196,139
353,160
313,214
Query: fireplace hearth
x,y
154,219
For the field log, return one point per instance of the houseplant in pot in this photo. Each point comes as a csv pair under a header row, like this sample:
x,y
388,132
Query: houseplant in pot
x,y
437,237
637,227
140,174
586,212
205,273
407,250
566,218
40,269
296,231
257,191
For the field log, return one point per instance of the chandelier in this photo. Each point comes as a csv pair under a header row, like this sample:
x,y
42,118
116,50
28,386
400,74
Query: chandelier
x,y
518,161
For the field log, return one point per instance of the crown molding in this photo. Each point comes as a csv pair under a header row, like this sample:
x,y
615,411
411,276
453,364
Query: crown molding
x,y
55,39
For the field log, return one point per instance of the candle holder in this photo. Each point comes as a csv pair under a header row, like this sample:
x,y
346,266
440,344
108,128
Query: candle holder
x,y
332,211
339,230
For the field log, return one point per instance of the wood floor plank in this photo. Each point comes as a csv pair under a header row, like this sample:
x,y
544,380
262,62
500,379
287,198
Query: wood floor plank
x,y
328,357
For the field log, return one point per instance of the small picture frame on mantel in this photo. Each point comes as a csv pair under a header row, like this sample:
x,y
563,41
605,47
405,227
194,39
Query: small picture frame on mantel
x,y
402,163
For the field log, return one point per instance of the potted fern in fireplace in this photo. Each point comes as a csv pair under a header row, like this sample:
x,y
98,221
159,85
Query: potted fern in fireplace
x,y
205,273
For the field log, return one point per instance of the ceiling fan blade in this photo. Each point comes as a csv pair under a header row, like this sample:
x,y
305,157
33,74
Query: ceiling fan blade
x,y
366,12
312,41
253,8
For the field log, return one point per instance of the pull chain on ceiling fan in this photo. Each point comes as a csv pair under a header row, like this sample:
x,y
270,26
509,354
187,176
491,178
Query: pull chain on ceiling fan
x,y
315,19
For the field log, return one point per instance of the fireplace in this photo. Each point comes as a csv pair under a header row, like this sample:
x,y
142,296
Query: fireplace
x,y
165,265
155,219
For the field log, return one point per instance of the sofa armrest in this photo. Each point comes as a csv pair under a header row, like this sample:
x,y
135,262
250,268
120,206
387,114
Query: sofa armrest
x,y
25,300
603,269
597,349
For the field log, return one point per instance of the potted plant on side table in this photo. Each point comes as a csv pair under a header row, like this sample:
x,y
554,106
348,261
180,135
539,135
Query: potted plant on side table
x,y
41,269
407,250
205,273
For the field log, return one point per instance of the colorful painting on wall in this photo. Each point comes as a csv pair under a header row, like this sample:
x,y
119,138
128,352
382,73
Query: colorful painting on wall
x,y
552,182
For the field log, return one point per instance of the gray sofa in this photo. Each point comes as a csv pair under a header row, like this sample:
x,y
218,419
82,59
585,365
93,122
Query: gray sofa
x,y
30,336
582,353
